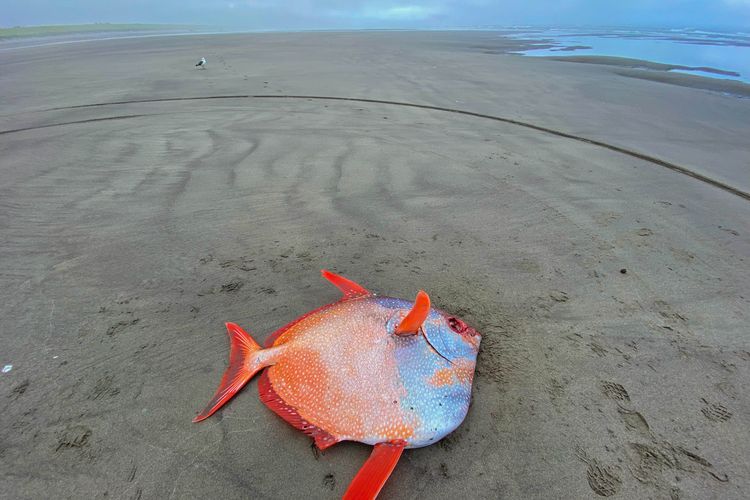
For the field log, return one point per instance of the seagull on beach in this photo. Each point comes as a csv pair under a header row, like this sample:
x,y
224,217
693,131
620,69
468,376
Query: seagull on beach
x,y
201,63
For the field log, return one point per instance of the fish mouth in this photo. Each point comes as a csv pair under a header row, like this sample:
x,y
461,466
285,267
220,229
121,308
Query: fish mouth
x,y
471,332
472,336
460,327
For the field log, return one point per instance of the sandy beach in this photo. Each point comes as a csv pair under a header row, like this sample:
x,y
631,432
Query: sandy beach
x,y
592,222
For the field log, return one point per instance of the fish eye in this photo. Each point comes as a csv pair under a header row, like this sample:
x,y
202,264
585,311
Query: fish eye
x,y
456,324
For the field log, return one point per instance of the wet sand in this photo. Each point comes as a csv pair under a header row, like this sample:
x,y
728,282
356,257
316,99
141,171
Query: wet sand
x,y
612,292
658,72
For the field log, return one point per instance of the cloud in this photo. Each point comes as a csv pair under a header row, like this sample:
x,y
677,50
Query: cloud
x,y
401,12
388,12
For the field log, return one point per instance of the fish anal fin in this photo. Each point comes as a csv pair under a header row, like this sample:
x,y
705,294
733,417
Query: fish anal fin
x,y
375,472
272,400
349,288
324,440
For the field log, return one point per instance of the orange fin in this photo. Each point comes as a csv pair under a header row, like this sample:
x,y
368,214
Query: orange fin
x,y
419,312
375,472
242,349
350,289
271,399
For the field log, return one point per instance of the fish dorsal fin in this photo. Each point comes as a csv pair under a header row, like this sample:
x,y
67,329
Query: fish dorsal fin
x,y
374,473
350,289
413,321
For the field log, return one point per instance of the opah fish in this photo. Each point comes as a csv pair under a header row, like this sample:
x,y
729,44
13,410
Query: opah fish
x,y
387,372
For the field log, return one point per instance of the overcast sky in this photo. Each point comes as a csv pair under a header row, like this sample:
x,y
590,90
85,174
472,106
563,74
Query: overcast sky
x,y
333,14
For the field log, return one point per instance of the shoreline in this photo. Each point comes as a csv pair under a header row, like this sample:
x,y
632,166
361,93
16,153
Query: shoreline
x,y
639,64
660,72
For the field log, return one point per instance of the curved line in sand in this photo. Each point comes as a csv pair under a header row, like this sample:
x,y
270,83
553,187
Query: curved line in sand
x,y
89,120
629,152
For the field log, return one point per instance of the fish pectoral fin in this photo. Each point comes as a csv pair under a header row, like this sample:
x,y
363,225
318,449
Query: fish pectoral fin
x,y
375,472
350,289
413,321
242,353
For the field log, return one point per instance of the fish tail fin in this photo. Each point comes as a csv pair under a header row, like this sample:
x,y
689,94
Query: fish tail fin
x,y
375,472
242,367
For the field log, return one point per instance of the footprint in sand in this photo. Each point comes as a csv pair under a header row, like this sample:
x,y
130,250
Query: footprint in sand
x,y
634,421
603,479
715,412
615,391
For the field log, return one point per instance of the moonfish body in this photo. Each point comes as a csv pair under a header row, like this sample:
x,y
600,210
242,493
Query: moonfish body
x,y
382,371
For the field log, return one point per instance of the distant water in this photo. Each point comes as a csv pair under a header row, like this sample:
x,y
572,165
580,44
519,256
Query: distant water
x,y
726,51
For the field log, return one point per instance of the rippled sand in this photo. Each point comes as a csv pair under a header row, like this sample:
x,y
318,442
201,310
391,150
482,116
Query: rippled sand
x,y
612,292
